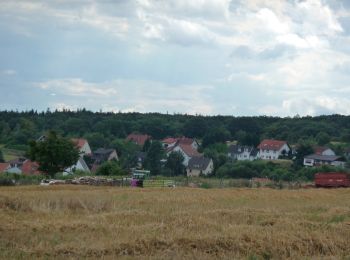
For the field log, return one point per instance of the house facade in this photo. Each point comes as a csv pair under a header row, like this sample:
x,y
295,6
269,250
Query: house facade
x,y
186,150
242,152
319,160
322,150
82,145
79,166
199,165
171,142
273,149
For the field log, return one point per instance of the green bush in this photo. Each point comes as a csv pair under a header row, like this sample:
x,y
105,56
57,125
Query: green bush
x,y
110,168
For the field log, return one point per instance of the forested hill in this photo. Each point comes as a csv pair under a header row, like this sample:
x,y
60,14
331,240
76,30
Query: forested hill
x,y
16,128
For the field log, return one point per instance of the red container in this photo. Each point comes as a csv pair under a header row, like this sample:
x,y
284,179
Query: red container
x,y
332,179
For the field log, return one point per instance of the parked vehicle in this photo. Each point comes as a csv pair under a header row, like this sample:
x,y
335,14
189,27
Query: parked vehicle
x,y
332,179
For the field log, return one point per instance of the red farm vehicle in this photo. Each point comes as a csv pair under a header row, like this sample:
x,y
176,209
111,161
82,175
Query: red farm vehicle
x,y
332,180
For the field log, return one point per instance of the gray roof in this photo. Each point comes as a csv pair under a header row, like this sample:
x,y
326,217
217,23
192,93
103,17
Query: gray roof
x,y
328,158
198,163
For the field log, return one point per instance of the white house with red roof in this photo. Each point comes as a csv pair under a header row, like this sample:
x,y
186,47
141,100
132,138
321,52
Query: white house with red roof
x,y
187,150
83,146
323,150
273,149
173,141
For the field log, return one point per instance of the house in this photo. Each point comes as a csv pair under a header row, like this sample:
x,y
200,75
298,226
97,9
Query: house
x,y
186,150
318,160
16,165
171,142
200,165
273,149
138,139
79,166
322,150
82,145
102,155
242,152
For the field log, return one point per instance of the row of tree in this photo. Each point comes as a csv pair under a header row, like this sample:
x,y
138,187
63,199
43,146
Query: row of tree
x,y
17,128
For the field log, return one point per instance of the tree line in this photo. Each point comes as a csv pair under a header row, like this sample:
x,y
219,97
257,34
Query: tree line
x,y
17,128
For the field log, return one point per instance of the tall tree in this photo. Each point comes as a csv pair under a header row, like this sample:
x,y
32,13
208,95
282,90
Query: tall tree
x,y
2,159
153,157
54,154
175,163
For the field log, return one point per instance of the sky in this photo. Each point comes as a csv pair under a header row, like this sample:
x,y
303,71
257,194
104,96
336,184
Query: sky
x,y
208,57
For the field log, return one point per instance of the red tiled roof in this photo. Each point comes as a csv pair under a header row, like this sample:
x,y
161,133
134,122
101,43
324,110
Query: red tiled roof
x,y
4,166
138,139
319,149
271,144
185,140
29,167
169,140
79,142
189,150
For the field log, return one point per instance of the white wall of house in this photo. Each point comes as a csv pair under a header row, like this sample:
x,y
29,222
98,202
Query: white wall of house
x,y
114,156
195,145
266,154
309,162
85,149
78,166
196,172
328,152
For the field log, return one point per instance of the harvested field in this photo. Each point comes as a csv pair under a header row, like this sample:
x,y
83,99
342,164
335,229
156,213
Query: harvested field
x,y
89,222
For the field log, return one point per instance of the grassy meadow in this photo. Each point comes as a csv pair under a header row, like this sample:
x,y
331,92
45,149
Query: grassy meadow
x,y
89,222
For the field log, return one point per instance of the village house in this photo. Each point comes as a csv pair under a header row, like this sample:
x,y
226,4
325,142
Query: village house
x,y
186,150
100,156
242,152
171,142
273,149
322,150
319,160
79,166
82,145
138,139
84,149
199,165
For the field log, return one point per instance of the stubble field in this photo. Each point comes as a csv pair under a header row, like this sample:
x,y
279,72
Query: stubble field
x,y
89,222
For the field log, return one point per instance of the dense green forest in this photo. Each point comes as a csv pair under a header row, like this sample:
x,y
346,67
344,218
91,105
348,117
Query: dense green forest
x,y
17,128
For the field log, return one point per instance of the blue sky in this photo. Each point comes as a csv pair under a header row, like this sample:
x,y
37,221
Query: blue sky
x,y
243,57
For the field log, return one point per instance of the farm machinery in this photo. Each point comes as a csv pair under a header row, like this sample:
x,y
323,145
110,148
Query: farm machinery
x,y
141,178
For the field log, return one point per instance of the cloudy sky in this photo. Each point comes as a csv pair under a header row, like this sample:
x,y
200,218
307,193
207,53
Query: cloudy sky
x,y
239,57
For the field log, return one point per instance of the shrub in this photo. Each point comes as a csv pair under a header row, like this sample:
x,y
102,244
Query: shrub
x,y
110,168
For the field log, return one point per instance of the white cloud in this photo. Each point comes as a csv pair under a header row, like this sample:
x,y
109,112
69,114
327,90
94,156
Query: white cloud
x,y
132,95
76,87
